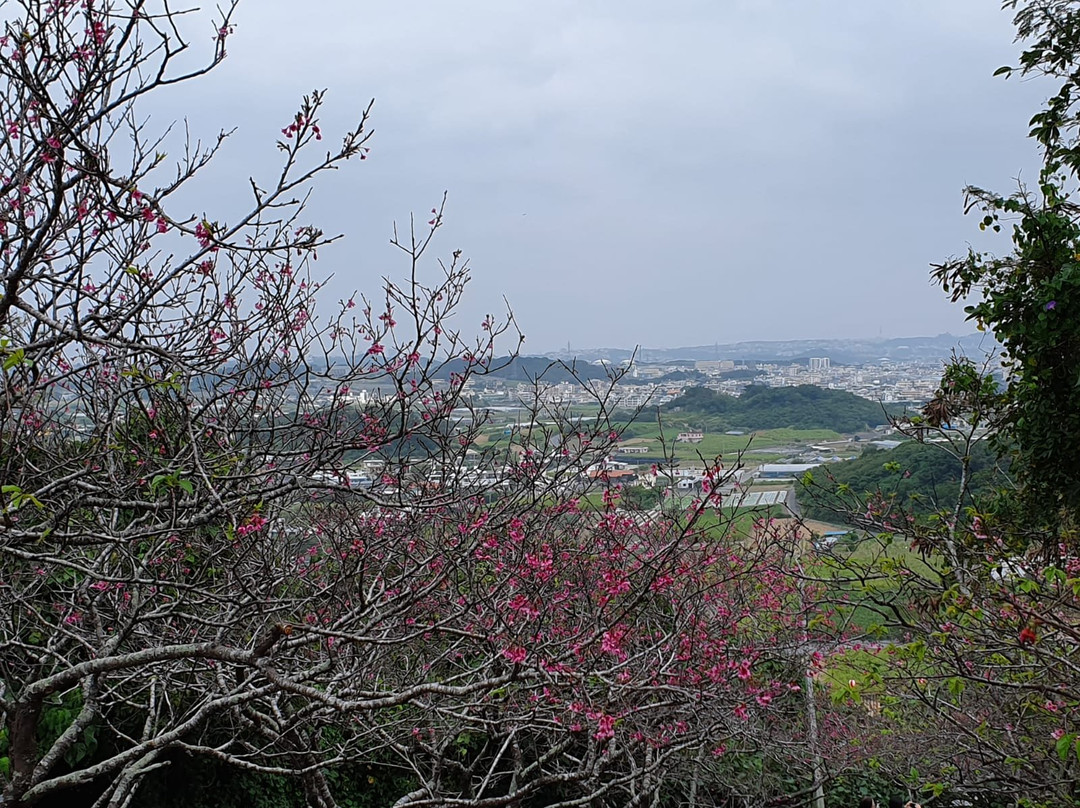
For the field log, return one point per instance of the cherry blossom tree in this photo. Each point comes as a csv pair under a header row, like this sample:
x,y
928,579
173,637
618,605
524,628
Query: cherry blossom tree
x,y
239,526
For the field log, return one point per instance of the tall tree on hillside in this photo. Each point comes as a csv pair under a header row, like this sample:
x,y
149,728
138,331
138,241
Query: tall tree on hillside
x,y
1029,297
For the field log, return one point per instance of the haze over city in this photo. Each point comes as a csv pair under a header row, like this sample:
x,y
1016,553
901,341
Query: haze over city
x,y
655,174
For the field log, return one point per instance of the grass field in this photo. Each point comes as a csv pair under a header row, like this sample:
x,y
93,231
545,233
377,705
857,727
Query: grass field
x,y
765,446
739,520
768,442
872,569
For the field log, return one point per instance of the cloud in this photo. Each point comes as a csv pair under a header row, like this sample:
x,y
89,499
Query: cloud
x,y
638,172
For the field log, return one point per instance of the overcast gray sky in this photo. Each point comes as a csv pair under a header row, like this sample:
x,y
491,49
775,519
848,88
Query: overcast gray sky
x,y
656,173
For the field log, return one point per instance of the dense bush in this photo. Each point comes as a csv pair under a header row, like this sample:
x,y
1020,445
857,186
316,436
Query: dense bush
x,y
918,477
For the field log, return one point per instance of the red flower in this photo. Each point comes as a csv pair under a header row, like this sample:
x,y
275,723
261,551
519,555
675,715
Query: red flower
x,y
1027,636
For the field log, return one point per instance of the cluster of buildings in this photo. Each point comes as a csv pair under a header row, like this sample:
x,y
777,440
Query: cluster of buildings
x,y
692,479
656,384
887,381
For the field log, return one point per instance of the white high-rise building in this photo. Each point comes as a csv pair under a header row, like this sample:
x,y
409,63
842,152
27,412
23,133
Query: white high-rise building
x,y
819,363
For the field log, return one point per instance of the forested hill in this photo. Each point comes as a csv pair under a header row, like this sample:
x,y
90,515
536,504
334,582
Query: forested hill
x,y
921,477
802,407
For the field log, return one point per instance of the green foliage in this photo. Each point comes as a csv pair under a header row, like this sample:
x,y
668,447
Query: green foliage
x,y
802,407
199,783
639,498
921,478
12,357
1030,297
171,480
12,497
846,790
56,717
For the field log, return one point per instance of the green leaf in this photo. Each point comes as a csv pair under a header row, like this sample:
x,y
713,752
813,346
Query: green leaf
x,y
17,498
16,358
1028,586
1053,574
1064,745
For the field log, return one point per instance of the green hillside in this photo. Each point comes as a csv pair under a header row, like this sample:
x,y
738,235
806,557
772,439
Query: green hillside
x,y
802,407
922,478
